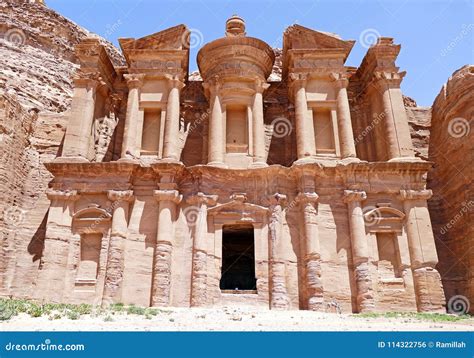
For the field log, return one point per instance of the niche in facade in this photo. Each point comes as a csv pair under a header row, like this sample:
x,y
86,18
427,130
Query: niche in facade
x,y
236,129
151,132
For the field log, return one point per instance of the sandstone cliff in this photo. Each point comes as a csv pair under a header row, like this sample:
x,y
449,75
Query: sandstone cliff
x,y
37,62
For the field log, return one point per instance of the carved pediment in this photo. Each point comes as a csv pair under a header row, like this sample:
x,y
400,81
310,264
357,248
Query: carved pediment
x,y
381,219
238,210
297,37
174,38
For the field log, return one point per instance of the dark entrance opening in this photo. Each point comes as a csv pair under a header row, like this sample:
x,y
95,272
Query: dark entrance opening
x,y
238,258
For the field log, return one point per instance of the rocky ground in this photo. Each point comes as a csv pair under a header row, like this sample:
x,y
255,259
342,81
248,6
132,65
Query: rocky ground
x,y
238,319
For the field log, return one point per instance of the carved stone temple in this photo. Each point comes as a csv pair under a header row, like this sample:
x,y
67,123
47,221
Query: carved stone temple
x,y
240,185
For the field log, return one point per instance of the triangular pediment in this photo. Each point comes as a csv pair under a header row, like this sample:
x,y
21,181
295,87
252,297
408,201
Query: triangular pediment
x,y
174,38
298,37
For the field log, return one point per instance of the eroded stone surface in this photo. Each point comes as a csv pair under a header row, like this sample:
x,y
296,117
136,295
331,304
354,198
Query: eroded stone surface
x,y
139,202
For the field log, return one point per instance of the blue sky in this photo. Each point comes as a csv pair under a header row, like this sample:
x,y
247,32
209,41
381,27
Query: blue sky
x,y
437,37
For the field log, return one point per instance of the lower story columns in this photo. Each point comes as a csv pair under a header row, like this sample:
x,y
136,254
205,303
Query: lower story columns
x,y
115,258
199,266
279,298
161,282
427,280
360,251
312,252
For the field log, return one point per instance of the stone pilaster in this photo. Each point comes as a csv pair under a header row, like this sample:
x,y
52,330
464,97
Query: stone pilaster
x,y
258,126
216,141
161,282
78,133
305,138
115,258
131,131
423,255
279,298
360,251
53,265
171,137
199,266
344,122
397,131
312,251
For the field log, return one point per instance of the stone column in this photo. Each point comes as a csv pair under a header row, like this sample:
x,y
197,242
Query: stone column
x,y
312,252
115,258
397,131
305,136
344,122
258,127
170,148
79,128
199,266
53,267
161,284
279,298
216,141
423,255
360,251
129,145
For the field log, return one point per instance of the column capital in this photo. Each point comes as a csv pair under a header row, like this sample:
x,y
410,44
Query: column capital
x,y
340,79
277,199
134,80
88,79
298,79
354,195
167,195
174,82
307,197
261,85
391,78
423,194
120,195
67,195
201,198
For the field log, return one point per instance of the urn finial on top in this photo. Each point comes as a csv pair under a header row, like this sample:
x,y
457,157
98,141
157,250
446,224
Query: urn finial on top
x,y
235,26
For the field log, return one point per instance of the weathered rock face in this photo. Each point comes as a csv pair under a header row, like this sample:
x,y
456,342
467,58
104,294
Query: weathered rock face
x,y
129,256
37,63
452,206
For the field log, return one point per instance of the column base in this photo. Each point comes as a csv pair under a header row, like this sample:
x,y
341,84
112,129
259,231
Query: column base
x,y
217,164
128,160
405,159
257,165
349,160
170,160
77,159
306,160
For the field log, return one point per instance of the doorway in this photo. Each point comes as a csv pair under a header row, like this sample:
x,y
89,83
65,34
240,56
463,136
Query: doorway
x,y
238,258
